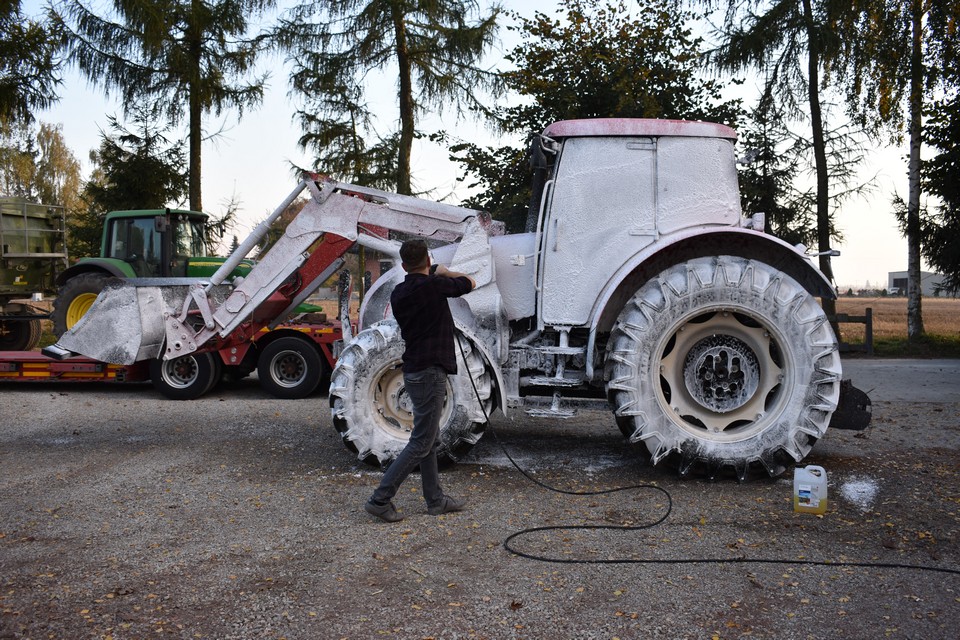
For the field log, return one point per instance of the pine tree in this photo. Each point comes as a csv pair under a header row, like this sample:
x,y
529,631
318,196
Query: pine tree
x,y
174,53
30,64
336,46
897,55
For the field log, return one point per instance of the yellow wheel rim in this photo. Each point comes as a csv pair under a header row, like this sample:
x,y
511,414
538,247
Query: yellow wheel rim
x,y
79,307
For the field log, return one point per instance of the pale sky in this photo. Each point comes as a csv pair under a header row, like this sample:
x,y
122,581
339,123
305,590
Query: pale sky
x,y
251,162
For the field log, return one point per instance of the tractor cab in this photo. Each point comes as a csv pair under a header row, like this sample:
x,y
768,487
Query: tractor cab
x,y
154,244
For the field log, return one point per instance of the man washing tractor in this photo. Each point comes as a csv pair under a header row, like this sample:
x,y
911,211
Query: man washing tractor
x,y
420,307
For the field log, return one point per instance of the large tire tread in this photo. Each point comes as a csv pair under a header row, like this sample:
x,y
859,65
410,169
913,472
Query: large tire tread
x,y
373,355
188,377
800,406
290,368
19,335
84,284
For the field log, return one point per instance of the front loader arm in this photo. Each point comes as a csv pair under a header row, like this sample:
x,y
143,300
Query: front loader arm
x,y
175,318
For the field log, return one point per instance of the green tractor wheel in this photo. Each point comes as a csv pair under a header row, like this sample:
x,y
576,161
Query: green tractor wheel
x,y
74,299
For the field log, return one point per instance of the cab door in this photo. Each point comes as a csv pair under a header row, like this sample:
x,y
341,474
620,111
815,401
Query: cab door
x,y
602,210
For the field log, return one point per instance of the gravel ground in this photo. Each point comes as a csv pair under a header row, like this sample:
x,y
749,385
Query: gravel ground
x,y
124,515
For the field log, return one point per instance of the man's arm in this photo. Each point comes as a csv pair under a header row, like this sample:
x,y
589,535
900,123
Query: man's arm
x,y
447,273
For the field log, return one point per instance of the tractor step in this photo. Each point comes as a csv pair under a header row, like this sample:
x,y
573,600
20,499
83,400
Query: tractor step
x,y
546,412
552,381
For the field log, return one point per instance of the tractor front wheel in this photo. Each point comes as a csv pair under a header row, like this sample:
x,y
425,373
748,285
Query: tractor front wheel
x,y
74,299
373,413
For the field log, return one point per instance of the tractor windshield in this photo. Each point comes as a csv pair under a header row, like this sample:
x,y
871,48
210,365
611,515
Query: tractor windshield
x,y
188,238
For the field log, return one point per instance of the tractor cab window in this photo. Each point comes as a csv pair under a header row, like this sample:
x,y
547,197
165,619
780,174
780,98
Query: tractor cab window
x,y
136,242
187,243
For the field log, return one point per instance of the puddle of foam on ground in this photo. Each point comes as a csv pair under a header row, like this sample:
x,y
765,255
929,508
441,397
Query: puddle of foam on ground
x,y
860,491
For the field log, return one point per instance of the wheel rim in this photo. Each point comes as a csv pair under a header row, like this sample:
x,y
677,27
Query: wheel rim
x,y
180,373
79,307
394,408
722,373
288,369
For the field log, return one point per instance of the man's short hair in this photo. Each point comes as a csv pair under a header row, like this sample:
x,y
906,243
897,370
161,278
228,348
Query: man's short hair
x,y
414,254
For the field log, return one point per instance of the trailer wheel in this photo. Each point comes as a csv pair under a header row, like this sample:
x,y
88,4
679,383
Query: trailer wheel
x,y
289,368
372,411
74,299
19,335
186,377
723,362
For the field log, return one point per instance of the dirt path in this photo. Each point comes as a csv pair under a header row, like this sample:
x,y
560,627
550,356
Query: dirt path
x,y
124,515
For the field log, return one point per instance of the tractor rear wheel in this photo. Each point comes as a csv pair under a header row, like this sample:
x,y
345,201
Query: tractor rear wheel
x,y
723,362
371,409
74,299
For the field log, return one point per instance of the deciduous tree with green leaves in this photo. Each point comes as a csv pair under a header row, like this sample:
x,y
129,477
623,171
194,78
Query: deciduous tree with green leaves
x,y
604,59
190,57
339,48
37,164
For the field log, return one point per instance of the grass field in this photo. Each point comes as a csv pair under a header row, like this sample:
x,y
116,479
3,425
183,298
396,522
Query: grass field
x,y
941,323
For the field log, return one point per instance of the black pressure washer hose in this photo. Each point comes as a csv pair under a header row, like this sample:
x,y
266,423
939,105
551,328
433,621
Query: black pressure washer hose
x,y
507,543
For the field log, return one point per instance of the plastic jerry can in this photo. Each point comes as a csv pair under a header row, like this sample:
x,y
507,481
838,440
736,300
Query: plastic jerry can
x,y
810,489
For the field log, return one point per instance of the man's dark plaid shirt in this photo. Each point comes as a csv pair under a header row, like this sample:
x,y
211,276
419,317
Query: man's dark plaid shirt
x,y
420,307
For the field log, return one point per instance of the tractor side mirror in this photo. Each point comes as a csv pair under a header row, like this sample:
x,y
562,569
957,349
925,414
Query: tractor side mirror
x,y
161,224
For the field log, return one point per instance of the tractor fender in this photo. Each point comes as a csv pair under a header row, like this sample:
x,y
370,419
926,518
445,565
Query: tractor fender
x,y
697,243
108,266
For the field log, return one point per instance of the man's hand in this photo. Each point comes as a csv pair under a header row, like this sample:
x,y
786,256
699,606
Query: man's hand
x,y
447,273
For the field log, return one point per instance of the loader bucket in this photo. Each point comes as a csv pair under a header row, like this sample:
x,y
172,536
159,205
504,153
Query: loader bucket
x,y
126,323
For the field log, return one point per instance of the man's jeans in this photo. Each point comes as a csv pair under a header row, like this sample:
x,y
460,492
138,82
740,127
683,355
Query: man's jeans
x,y
426,389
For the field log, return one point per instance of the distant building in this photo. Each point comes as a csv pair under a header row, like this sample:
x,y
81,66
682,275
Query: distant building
x,y
929,283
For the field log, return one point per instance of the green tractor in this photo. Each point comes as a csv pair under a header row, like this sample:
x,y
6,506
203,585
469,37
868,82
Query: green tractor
x,y
160,243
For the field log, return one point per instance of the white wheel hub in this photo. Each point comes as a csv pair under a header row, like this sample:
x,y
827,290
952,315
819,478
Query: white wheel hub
x,y
719,372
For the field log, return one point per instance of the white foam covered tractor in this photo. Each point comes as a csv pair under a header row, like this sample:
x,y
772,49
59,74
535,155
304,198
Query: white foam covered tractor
x,y
640,286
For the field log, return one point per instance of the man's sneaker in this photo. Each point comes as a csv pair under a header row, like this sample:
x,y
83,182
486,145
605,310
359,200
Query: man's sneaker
x,y
386,512
446,505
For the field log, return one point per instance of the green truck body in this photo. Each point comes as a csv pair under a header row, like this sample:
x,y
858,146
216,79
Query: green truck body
x,y
32,255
